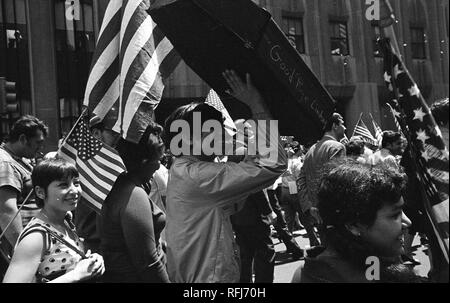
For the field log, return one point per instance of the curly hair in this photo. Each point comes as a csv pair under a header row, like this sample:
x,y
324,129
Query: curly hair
x,y
439,109
352,193
355,147
390,137
26,125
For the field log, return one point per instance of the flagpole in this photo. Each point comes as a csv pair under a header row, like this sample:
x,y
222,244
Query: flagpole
x,y
73,127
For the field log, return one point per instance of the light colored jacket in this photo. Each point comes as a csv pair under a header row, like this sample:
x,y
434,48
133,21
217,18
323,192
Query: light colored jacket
x,y
201,197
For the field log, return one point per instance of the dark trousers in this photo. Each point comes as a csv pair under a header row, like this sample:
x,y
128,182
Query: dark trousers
x,y
257,252
291,201
280,224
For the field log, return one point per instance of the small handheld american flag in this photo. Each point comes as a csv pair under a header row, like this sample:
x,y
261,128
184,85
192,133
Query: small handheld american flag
x,y
214,101
98,164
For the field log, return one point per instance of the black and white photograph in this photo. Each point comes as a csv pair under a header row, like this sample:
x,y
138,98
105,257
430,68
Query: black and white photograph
x,y
216,144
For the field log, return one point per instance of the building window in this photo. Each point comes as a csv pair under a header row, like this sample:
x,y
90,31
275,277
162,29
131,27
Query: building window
x,y
14,55
339,38
418,43
75,44
293,29
376,36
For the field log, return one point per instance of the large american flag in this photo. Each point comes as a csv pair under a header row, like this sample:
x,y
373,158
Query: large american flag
x,y
131,59
362,130
98,164
424,136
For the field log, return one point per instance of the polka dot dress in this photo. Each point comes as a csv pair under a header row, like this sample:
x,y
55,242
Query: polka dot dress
x,y
58,258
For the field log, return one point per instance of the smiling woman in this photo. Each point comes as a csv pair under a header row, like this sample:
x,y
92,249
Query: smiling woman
x,y
48,249
361,207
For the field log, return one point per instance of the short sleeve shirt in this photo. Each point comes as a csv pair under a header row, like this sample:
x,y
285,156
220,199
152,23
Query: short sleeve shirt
x,y
15,173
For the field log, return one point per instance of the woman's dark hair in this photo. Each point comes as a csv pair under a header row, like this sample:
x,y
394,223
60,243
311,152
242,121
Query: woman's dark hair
x,y
390,137
186,113
352,193
355,147
150,147
51,170
440,111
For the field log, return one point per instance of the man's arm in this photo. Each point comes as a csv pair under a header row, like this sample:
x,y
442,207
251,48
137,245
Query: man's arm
x,y
8,209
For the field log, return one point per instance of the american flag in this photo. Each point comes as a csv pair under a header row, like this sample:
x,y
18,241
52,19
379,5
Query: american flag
x,y
213,100
131,59
378,131
98,164
425,139
362,130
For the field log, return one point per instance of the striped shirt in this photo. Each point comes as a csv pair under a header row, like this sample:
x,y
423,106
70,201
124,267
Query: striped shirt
x,y
15,173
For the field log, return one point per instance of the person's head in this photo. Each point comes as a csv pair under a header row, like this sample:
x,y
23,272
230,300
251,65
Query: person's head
x,y
440,111
101,130
28,134
335,126
182,130
56,184
142,159
355,147
361,206
392,141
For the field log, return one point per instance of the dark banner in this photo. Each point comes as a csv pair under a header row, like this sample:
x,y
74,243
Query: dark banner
x,y
214,35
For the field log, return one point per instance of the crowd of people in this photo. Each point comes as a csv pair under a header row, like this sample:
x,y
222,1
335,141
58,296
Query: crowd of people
x,y
203,217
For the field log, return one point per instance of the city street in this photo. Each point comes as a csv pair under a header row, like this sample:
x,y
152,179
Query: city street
x,y
285,266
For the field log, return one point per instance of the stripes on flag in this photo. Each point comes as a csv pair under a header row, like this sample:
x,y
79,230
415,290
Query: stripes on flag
x,y
378,131
214,101
131,59
98,164
362,130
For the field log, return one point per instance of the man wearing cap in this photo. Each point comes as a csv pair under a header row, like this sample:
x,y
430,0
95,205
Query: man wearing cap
x,y
87,221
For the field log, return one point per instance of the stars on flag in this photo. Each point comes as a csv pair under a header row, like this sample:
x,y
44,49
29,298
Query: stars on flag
x,y
425,156
398,70
414,90
422,136
419,114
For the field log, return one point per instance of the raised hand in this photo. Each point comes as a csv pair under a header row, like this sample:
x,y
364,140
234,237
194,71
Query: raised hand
x,y
244,92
